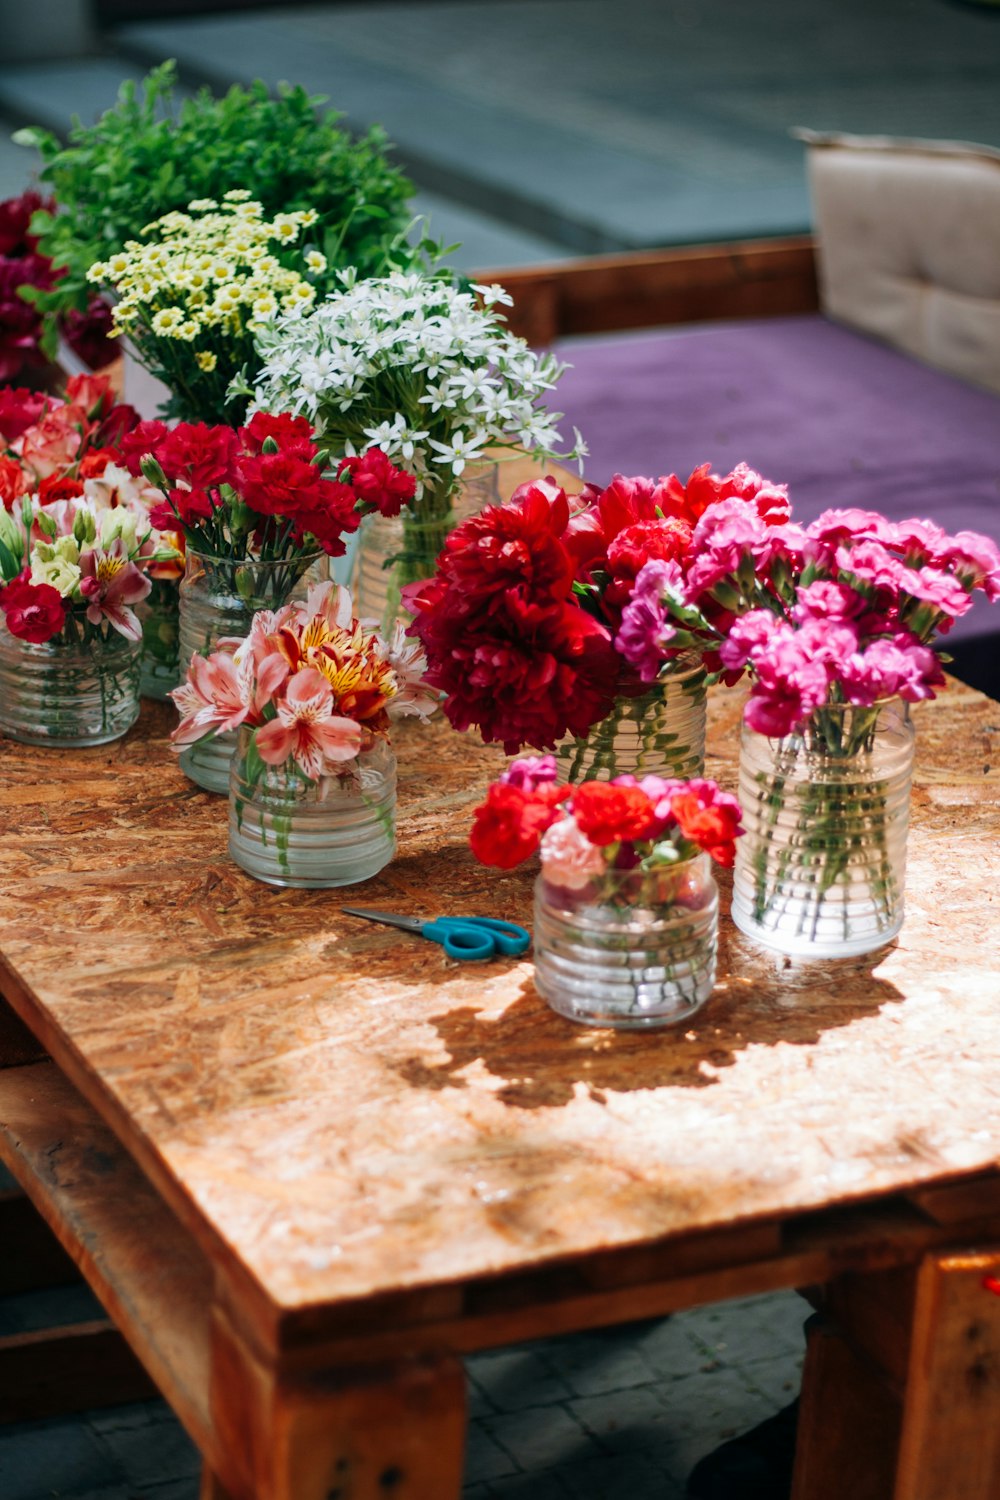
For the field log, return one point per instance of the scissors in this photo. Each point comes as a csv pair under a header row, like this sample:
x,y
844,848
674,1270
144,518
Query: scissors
x,y
470,938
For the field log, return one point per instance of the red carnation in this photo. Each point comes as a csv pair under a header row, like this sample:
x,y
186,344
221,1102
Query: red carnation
x,y
13,482
279,484
292,434
668,540
704,488
331,515
200,454
611,814
191,507
378,482
57,487
507,827
146,437
93,464
34,611
708,818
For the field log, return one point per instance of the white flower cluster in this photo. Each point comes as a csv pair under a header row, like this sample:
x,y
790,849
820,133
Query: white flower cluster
x,y
412,365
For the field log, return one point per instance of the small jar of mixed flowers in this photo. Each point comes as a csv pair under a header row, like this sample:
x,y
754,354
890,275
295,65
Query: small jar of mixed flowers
x,y
626,906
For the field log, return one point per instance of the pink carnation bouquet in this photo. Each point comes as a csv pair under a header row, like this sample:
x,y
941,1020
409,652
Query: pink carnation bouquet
x,y
844,627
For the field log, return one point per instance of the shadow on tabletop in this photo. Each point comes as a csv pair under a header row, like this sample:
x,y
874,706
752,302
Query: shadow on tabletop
x,y
761,999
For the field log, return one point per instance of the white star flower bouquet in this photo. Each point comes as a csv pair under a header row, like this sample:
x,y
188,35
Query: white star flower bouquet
x,y
423,369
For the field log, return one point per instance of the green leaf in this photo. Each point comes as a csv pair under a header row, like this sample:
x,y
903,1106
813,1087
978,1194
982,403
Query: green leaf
x,y
10,565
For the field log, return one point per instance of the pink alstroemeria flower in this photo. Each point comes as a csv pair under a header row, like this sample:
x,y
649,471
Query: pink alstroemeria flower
x,y
306,728
110,582
211,698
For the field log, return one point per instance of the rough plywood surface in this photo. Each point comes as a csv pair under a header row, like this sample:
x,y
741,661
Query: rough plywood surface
x,y
351,1112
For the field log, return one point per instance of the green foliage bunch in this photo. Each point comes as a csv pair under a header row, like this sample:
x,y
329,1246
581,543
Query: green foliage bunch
x,y
149,155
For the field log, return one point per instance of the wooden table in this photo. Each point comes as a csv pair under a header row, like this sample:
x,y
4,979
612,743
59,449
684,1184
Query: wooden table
x,y
306,1163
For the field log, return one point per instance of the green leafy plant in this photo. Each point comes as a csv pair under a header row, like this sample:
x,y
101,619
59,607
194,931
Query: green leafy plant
x,y
149,155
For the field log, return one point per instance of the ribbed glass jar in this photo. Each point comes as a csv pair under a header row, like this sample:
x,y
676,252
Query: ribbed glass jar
x,y
631,949
218,598
287,830
820,869
80,688
394,551
657,731
160,616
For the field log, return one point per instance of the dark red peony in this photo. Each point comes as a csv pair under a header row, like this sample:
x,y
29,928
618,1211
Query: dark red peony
x,y
504,637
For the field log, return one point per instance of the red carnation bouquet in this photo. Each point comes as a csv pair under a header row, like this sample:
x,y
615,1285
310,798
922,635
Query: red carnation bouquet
x,y
601,828
519,623
261,492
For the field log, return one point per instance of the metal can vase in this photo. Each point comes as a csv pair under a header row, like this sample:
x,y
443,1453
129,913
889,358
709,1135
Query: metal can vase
x,y
656,731
820,869
79,688
395,551
288,830
631,949
219,597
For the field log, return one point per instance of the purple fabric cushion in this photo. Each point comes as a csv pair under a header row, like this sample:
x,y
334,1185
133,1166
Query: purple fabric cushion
x,y
843,420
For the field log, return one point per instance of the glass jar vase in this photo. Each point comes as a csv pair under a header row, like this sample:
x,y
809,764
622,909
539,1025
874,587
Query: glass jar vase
x,y
288,830
631,948
655,731
820,868
219,597
79,688
159,613
394,551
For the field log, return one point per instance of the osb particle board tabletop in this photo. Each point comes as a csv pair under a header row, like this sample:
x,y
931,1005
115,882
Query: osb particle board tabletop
x,y
339,1110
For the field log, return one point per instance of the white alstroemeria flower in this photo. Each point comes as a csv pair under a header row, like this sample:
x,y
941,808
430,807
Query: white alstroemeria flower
x,y
458,452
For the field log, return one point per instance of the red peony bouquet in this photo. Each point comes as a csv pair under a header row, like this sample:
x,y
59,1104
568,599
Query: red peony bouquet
x,y
520,622
24,271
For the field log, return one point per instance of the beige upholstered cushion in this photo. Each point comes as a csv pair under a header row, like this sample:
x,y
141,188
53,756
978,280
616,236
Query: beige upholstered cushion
x,y
908,244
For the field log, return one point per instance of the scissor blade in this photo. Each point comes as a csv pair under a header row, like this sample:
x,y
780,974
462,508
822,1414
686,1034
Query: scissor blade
x,y
393,919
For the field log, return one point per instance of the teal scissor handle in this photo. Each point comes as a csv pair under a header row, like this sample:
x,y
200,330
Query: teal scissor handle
x,y
475,938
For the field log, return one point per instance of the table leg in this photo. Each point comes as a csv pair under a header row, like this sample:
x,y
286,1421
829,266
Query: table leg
x,y
901,1389
211,1488
950,1442
848,1425
392,1432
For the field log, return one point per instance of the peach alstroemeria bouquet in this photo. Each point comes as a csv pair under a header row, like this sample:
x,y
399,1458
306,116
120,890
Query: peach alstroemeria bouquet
x,y
309,689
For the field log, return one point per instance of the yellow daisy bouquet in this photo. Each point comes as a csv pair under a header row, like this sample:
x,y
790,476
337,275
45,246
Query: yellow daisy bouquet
x,y
191,295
